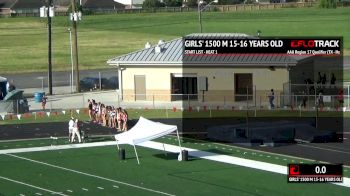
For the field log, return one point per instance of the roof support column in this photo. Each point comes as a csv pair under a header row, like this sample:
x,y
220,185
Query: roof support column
x,y
120,82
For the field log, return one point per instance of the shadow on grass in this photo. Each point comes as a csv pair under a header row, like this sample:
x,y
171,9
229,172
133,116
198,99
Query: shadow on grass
x,y
182,175
172,156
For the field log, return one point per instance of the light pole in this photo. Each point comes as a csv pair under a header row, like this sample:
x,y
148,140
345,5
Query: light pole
x,y
200,9
75,16
48,12
71,59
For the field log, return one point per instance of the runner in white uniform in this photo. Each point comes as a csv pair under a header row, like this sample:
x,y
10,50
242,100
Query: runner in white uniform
x,y
70,129
76,131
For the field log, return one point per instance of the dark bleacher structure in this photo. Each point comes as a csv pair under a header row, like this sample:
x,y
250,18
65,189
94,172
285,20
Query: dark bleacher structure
x,y
102,5
28,4
7,3
272,133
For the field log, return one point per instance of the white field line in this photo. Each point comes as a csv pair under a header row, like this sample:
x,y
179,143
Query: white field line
x,y
43,189
91,175
266,152
172,148
340,149
60,147
229,159
328,149
48,138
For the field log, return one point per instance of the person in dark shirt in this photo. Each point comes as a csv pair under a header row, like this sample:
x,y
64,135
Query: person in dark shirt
x,y
271,97
324,79
340,97
333,79
1,95
319,81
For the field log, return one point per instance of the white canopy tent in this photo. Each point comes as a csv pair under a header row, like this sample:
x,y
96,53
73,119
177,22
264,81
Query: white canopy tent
x,y
145,130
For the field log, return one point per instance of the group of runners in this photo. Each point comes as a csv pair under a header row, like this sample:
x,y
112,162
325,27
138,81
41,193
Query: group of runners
x,y
109,116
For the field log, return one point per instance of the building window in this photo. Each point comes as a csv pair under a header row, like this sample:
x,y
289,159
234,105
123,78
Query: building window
x,y
184,87
243,86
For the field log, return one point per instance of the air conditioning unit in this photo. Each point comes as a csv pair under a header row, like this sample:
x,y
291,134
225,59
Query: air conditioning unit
x,y
158,49
147,45
160,42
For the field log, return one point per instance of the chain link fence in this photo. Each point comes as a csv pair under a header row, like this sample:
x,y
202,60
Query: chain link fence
x,y
328,98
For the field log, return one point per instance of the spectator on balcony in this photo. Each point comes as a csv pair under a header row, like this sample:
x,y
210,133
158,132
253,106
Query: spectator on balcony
x,y
333,79
320,78
340,98
320,100
304,100
324,79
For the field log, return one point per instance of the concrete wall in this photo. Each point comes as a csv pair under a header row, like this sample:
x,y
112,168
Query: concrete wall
x,y
220,81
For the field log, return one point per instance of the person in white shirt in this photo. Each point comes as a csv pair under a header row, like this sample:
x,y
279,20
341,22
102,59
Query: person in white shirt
x,y
70,129
76,131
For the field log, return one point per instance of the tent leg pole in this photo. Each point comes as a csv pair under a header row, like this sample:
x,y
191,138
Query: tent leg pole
x,y
117,145
164,150
178,138
137,157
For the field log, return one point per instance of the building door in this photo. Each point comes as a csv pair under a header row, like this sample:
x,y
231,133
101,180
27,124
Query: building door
x,y
140,87
243,84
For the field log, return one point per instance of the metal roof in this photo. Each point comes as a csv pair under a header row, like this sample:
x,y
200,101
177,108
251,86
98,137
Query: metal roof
x,y
172,54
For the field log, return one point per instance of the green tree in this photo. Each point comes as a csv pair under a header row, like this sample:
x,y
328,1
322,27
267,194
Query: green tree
x,y
173,3
230,2
152,4
191,3
328,4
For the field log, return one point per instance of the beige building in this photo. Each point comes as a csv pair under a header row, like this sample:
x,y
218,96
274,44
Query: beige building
x,y
164,73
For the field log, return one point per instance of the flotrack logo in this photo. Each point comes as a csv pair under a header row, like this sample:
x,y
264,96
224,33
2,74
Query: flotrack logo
x,y
314,43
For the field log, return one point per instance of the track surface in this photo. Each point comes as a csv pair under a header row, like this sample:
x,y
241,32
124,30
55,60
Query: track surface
x,y
328,152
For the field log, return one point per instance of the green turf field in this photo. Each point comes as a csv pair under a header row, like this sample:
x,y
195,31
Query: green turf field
x,y
23,43
98,171
203,145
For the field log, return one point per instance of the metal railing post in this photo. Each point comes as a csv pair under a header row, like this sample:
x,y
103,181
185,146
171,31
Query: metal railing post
x,y
118,99
188,100
255,98
100,80
50,104
83,99
17,106
348,95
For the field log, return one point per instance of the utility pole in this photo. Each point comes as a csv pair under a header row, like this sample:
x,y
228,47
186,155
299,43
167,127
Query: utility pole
x,y
49,5
75,44
200,15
